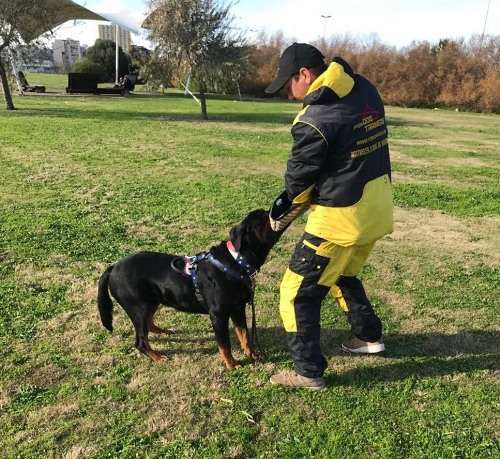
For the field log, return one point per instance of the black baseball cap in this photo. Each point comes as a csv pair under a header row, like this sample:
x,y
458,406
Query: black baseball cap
x,y
292,60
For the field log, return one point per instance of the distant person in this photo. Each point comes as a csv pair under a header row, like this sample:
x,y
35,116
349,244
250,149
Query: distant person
x,y
119,84
127,84
340,166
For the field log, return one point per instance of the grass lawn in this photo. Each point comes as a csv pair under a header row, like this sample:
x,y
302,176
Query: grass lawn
x,y
87,180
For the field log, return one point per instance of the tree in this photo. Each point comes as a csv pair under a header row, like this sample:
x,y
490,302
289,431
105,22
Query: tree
x,y
490,91
104,53
86,66
196,37
138,58
16,22
263,59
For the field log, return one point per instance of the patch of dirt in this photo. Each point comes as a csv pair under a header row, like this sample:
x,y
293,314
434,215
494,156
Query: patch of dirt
x,y
50,414
421,235
398,156
79,289
4,398
79,452
438,232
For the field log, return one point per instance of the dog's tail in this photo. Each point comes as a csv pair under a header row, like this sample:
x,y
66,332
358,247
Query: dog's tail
x,y
104,302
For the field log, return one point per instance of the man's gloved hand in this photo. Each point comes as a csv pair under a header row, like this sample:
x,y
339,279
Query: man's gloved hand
x,y
283,212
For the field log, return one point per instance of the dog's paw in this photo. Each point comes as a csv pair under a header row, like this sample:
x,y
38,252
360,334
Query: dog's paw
x,y
156,357
258,357
232,364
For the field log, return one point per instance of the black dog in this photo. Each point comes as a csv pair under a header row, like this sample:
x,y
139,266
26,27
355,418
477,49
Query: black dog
x,y
219,285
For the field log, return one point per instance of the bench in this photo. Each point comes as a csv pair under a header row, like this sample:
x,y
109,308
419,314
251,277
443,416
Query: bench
x,y
82,83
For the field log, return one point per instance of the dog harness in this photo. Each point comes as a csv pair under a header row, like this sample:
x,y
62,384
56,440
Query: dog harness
x,y
191,267
240,259
247,272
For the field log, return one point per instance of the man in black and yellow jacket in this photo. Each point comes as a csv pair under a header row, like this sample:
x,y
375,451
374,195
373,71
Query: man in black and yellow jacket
x,y
340,168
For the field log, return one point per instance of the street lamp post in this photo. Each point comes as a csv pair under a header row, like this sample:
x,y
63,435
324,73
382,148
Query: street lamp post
x,y
325,17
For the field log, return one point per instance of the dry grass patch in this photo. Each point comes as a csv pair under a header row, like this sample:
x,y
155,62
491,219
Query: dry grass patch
x,y
62,273
79,452
399,156
238,168
423,242
144,228
48,416
463,239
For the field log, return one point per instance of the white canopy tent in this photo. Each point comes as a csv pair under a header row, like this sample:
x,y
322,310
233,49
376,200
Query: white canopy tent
x,y
125,22
32,26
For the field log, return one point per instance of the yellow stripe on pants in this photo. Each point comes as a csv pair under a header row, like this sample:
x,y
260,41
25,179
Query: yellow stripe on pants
x,y
346,261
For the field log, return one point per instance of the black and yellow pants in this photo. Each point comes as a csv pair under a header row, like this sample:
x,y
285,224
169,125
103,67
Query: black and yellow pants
x,y
317,267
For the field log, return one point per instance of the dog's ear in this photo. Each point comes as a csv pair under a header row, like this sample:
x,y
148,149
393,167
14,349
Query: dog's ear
x,y
241,234
250,228
236,235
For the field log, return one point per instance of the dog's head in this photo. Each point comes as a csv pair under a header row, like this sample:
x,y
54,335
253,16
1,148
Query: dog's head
x,y
254,238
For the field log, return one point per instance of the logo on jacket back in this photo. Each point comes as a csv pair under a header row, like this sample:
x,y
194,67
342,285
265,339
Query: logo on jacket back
x,y
370,121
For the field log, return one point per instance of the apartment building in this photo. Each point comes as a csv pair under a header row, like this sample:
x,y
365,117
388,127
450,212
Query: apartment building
x,y
66,53
108,32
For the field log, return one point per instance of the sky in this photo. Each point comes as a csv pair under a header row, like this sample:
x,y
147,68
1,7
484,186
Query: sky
x,y
392,22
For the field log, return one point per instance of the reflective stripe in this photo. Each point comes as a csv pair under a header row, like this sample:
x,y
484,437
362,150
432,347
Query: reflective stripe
x,y
297,120
310,245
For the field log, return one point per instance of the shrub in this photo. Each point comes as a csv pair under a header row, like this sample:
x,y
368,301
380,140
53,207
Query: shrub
x,y
490,91
86,66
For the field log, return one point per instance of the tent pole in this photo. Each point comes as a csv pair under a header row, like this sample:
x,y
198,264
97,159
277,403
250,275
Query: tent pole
x,y
16,75
116,53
